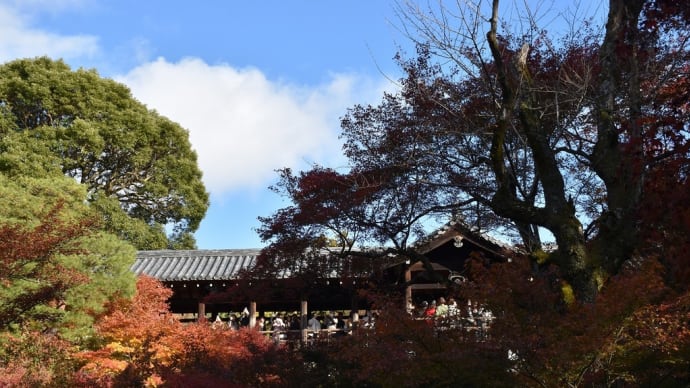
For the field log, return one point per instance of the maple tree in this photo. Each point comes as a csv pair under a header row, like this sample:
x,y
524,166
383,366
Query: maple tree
x,y
636,334
513,132
584,135
58,268
57,272
143,344
35,359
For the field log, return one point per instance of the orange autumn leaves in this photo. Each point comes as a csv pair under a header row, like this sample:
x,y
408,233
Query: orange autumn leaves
x,y
144,344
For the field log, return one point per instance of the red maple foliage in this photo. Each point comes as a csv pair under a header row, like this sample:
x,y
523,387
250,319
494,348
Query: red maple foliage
x,y
33,359
635,334
31,272
144,344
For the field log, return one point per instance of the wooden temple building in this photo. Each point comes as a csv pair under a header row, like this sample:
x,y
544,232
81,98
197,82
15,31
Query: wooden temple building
x,y
208,282
448,250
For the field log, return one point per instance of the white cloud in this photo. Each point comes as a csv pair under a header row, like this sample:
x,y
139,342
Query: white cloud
x,y
245,126
242,125
20,40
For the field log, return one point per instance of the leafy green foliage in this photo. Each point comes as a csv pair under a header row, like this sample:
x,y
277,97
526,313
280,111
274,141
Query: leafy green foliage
x,y
58,272
587,137
58,268
37,270
94,131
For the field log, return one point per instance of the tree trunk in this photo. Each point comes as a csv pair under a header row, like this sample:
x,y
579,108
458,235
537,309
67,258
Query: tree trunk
x,y
557,215
619,164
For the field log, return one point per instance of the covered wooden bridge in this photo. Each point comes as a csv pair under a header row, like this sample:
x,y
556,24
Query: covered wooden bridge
x,y
208,282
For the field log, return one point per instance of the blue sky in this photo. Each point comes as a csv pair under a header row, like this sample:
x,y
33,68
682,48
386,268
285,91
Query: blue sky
x,y
259,85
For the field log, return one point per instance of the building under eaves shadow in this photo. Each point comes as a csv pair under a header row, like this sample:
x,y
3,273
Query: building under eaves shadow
x,y
208,282
194,274
448,250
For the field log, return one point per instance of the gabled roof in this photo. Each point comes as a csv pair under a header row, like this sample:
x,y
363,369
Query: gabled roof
x,y
226,264
189,265
459,231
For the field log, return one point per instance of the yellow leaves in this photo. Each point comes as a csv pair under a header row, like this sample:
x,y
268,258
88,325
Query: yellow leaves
x,y
162,354
568,293
104,367
540,257
132,348
153,381
105,364
116,347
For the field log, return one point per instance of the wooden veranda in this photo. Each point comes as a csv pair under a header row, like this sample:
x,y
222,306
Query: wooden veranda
x,y
206,283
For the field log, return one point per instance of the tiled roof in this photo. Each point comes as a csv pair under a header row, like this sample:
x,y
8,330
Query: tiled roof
x,y
184,265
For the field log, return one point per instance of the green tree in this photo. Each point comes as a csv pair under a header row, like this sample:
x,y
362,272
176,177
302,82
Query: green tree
x,y
58,268
139,167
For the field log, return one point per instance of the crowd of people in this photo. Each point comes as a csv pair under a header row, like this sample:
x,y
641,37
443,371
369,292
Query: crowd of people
x,y
438,312
281,325
448,314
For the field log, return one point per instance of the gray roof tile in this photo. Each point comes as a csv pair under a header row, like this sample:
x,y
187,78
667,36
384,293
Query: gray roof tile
x,y
181,265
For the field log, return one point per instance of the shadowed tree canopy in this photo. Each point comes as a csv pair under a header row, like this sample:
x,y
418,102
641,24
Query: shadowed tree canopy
x,y
138,166
515,129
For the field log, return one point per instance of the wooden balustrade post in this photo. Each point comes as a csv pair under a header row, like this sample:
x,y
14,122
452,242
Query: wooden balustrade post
x,y
304,317
201,312
252,314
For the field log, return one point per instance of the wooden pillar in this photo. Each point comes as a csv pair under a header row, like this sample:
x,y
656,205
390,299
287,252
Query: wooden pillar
x,y
201,312
252,314
354,298
408,289
304,311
